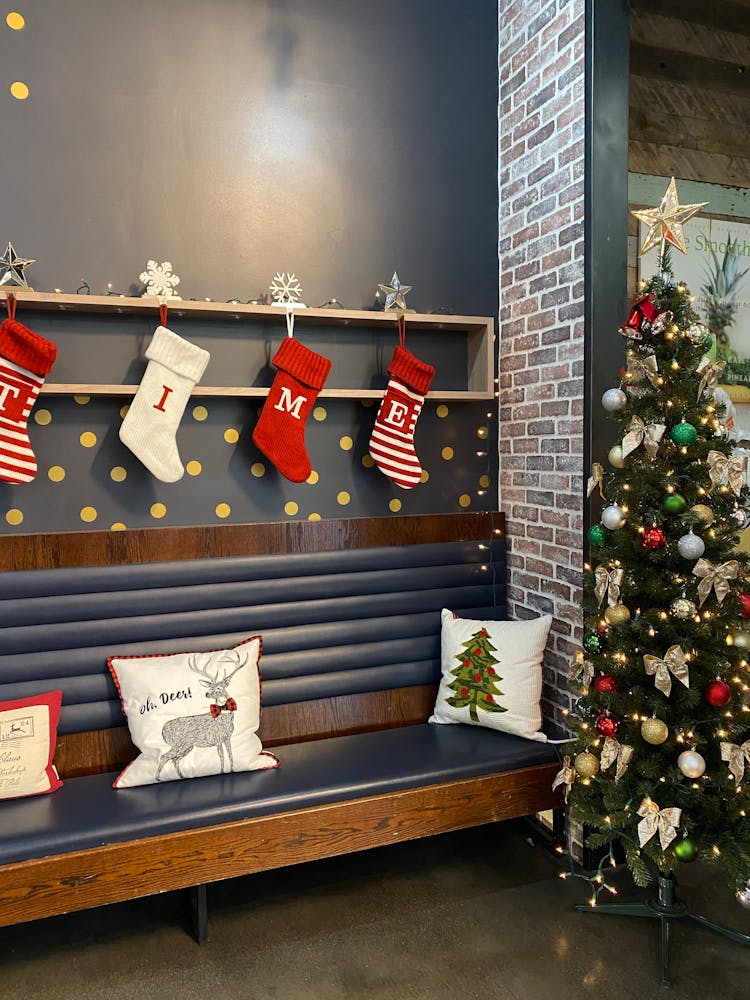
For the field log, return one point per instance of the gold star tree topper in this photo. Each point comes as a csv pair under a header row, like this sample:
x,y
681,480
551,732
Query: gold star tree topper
x,y
665,222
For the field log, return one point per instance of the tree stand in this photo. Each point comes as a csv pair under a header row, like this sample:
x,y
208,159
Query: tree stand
x,y
666,908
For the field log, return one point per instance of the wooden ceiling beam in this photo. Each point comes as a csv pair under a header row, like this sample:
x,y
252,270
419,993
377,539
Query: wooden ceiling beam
x,y
727,15
698,72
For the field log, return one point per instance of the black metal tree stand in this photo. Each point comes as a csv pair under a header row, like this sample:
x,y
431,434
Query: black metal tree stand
x,y
665,908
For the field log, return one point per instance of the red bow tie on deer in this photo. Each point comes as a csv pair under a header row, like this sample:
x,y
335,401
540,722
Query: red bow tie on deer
x,y
230,705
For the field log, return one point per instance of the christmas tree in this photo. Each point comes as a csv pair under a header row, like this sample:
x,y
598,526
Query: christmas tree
x,y
475,684
662,723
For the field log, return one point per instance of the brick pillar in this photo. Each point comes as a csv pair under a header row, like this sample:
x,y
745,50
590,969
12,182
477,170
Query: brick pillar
x,y
541,432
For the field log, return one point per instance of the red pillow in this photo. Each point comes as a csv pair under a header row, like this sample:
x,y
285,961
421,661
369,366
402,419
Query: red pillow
x,y
28,734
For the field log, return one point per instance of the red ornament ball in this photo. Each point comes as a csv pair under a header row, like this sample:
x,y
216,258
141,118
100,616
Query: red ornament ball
x,y
654,538
483,633
467,663
717,693
464,692
606,725
477,677
491,671
477,651
489,697
606,684
744,600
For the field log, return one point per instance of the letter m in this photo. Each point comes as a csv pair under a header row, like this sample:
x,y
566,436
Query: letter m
x,y
292,406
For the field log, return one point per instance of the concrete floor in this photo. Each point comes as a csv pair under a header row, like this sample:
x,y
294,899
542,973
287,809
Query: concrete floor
x,y
478,914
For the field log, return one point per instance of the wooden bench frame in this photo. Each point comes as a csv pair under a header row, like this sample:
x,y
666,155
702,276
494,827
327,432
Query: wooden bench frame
x,y
192,858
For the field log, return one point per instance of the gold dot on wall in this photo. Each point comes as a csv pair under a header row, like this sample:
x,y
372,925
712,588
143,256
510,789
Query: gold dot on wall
x,y
14,516
343,498
88,439
346,443
118,474
424,476
231,435
82,400
124,410
464,500
56,473
117,526
223,510
42,417
291,508
19,90
194,468
442,410
200,413
484,481
15,20
447,454
313,517
313,478
158,510
258,469
482,432
88,514
368,461
394,506
320,413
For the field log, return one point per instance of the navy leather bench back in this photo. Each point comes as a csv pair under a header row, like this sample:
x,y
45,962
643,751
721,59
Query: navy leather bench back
x,y
333,623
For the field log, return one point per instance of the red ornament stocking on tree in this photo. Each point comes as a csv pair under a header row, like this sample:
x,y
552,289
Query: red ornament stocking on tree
x,y
392,440
25,360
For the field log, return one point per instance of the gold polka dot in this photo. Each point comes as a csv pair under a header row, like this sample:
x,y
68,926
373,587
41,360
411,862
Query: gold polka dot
x,y
395,505
424,476
88,514
313,517
199,413
368,461
194,468
482,432
367,403
313,478
42,417
258,469
82,400
19,90
231,435
15,20
291,508
447,454
464,500
484,481
56,473
124,410
118,474
223,510
158,510
343,498
117,526
88,439
346,443
14,516
320,413
442,410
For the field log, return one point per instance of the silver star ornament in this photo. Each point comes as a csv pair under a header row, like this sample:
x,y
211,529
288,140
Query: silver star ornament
x,y
13,268
395,293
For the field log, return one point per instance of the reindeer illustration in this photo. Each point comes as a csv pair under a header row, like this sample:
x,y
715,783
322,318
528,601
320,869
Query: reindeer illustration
x,y
210,729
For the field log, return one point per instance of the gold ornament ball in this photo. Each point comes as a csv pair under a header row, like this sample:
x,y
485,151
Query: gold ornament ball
x,y
704,513
654,731
615,457
586,764
617,615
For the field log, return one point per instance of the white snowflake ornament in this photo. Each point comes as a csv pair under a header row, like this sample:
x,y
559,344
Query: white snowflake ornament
x,y
160,280
286,290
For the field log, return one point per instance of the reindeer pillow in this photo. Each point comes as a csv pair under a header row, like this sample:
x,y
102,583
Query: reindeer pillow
x,y
191,714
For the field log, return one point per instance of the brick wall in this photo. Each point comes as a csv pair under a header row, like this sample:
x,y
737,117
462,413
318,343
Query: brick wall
x,y
541,119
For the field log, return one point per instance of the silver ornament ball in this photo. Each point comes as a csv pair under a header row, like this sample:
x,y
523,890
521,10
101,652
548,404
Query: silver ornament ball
x,y
697,333
742,517
691,546
743,895
614,400
741,640
682,608
691,764
613,517
615,457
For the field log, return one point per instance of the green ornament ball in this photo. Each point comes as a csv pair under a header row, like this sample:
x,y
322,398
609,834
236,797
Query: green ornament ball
x,y
684,434
675,503
685,850
593,643
597,534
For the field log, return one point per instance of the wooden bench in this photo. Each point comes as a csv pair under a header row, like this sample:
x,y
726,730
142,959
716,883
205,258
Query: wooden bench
x,y
349,611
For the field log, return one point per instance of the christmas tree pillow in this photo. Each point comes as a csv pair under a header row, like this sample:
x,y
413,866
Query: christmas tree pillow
x,y
28,733
492,673
191,714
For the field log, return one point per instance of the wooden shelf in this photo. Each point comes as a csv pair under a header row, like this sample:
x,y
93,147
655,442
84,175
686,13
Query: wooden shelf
x,y
479,331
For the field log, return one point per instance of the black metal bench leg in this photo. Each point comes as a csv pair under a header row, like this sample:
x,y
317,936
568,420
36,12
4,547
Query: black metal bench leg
x,y
199,913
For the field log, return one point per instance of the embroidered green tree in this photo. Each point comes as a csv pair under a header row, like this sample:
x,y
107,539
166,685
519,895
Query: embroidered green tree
x,y
476,679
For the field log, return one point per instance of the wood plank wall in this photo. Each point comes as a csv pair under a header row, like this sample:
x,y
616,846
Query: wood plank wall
x,y
690,89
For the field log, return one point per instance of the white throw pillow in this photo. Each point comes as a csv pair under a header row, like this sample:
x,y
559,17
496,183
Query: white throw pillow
x,y
28,733
191,714
492,674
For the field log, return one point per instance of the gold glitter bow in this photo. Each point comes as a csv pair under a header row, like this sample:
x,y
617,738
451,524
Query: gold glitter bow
x,y
581,670
724,471
608,583
640,368
565,776
711,372
736,756
639,433
674,662
716,577
615,751
596,479
665,821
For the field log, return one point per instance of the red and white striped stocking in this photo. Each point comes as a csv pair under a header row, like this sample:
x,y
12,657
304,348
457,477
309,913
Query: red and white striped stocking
x,y
392,440
25,360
